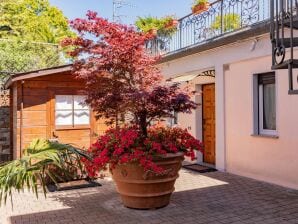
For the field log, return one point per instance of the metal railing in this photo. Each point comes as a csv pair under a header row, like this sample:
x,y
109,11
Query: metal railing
x,y
222,17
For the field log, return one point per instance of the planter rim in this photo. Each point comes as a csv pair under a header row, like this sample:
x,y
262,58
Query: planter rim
x,y
169,155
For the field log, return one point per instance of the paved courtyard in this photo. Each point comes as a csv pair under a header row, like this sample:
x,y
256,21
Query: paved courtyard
x,y
214,198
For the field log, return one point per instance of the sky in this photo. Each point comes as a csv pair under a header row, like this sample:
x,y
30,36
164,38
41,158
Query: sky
x,y
78,8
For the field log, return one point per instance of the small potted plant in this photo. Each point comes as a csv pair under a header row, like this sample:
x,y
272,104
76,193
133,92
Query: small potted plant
x,y
148,24
168,27
227,23
170,22
165,26
200,6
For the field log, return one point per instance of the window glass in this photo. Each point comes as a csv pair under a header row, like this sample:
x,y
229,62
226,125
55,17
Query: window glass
x,y
269,107
71,110
63,102
81,117
63,117
79,102
266,118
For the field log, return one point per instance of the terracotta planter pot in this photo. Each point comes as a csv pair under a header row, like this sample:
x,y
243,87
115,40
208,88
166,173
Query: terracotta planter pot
x,y
153,32
173,23
197,9
146,190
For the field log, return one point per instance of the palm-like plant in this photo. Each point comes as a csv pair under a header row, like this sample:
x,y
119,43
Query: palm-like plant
x,y
41,160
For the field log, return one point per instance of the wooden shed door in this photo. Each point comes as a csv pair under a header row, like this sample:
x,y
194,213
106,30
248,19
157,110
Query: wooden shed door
x,y
70,121
209,123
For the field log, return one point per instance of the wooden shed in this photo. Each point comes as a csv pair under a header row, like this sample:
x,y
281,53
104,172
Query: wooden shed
x,y
48,104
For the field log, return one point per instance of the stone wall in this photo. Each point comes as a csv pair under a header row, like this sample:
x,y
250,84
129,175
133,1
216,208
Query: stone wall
x,y
5,151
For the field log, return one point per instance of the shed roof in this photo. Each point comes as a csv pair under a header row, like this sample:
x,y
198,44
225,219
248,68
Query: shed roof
x,y
37,73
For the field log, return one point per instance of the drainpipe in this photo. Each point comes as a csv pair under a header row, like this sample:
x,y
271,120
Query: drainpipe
x,y
21,118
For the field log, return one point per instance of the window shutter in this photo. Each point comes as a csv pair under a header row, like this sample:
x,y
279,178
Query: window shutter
x,y
267,78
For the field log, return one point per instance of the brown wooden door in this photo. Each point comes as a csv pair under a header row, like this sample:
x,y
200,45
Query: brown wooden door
x,y
209,123
70,132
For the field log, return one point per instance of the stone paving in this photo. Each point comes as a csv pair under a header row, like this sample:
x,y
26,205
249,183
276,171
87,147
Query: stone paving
x,y
215,198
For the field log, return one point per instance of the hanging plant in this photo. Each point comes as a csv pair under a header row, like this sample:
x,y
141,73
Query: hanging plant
x,y
200,6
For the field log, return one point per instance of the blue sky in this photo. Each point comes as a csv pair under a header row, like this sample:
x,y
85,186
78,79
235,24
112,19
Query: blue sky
x,y
78,8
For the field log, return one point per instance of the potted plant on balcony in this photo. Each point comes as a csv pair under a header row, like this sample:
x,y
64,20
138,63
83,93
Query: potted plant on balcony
x,y
123,85
164,26
227,22
168,27
200,6
148,24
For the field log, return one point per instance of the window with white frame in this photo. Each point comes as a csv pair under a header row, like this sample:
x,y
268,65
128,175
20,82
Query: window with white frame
x,y
266,104
71,111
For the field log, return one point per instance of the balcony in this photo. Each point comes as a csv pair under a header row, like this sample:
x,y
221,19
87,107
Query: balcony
x,y
223,17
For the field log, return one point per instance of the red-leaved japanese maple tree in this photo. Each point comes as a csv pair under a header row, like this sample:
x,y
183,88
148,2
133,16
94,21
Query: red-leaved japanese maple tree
x,y
122,79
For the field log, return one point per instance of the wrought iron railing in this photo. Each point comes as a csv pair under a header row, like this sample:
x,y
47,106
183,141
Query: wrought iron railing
x,y
222,17
284,20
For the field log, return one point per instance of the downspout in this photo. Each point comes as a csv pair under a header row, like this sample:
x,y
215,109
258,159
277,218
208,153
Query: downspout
x,y
21,118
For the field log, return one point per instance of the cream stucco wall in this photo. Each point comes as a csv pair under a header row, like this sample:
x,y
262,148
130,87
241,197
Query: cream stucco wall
x,y
237,151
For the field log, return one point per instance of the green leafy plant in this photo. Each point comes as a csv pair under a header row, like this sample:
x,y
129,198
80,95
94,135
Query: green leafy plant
x,y
40,161
30,33
230,22
148,23
164,26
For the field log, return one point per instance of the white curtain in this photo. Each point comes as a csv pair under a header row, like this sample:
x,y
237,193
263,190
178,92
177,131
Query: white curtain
x,y
269,107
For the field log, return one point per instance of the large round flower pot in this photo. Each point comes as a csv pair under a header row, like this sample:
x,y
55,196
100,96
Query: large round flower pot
x,y
146,190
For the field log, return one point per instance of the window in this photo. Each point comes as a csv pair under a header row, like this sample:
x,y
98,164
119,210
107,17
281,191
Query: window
x,y
71,111
173,121
266,104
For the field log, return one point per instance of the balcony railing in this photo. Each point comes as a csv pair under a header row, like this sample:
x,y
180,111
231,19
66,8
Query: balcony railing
x,y
222,17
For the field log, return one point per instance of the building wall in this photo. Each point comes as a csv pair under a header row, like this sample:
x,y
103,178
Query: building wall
x,y
237,151
270,159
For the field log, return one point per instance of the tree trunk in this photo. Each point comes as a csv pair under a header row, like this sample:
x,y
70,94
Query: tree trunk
x,y
143,124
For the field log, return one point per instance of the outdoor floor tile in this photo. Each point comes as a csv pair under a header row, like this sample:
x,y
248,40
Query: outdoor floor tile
x,y
215,198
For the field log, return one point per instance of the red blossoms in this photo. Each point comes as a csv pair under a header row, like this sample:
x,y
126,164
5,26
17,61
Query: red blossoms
x,y
124,145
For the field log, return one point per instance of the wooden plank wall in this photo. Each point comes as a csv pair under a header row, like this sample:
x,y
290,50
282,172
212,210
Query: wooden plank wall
x,y
34,116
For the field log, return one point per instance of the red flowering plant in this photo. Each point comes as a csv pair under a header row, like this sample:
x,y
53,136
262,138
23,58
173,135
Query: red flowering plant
x,y
124,86
124,145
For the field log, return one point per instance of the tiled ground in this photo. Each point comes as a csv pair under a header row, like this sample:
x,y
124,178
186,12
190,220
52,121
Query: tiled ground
x,y
199,198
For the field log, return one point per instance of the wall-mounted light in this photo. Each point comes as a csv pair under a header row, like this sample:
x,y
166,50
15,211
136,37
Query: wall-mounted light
x,y
253,44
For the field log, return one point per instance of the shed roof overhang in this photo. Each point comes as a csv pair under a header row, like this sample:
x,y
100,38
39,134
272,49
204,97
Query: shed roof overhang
x,y
37,73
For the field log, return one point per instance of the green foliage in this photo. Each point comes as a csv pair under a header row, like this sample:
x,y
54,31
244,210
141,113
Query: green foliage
x,y
32,23
149,23
40,159
231,21
33,20
18,56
